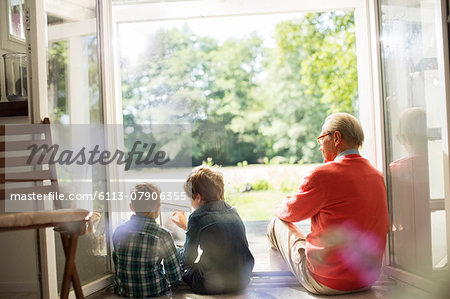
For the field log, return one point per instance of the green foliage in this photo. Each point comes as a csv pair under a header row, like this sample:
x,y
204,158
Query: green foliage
x,y
288,186
56,78
57,74
246,101
242,164
95,116
322,49
292,160
261,184
312,74
209,162
258,205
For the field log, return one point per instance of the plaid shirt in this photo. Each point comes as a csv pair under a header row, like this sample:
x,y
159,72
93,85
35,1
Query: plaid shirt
x,y
139,247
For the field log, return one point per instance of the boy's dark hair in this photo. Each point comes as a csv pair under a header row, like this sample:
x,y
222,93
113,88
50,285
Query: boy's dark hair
x,y
205,181
145,198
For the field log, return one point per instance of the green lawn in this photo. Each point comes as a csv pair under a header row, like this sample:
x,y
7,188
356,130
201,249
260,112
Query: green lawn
x,y
272,183
255,205
269,184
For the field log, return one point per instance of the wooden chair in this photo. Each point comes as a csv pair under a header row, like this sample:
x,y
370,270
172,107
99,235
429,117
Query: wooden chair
x,y
39,178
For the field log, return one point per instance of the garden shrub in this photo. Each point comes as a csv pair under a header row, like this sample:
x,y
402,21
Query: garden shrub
x,y
261,184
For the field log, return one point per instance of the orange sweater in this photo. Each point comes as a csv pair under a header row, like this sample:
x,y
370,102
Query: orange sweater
x,y
346,201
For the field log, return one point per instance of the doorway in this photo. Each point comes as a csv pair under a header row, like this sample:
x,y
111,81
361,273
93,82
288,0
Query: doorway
x,y
241,76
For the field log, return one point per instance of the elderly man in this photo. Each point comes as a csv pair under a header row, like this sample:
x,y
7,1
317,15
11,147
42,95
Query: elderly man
x,y
346,200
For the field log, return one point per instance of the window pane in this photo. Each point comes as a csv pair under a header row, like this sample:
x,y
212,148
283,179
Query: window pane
x,y
16,19
413,103
73,98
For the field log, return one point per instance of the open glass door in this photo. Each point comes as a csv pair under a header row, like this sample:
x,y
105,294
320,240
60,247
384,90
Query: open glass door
x,y
74,101
416,142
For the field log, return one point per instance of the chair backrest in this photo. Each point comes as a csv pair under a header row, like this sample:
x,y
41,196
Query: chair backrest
x,y
24,174
21,175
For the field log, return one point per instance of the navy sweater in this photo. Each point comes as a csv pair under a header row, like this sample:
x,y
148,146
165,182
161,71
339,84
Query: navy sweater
x,y
226,262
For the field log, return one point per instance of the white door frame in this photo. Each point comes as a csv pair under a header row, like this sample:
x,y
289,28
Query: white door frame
x,y
371,102
367,48
443,46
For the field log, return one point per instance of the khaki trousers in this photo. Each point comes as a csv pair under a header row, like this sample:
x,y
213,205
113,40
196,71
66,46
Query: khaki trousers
x,y
287,253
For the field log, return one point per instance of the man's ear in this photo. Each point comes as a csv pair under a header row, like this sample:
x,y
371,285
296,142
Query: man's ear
x,y
337,138
131,207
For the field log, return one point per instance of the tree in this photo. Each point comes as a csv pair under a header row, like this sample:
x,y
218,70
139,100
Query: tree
x,y
315,63
186,78
321,48
246,101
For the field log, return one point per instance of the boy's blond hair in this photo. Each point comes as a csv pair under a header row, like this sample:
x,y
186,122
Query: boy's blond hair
x,y
205,181
145,198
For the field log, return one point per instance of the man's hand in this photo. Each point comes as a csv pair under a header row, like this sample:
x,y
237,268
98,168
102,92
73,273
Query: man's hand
x,y
181,222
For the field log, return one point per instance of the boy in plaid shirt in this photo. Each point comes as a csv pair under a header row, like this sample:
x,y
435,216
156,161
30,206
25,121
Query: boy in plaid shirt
x,y
140,246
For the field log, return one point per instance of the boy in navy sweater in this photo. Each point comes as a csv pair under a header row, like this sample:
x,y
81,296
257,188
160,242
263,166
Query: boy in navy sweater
x,y
226,263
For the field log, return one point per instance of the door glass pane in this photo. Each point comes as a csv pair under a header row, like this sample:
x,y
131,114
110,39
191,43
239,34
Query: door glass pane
x,y
16,19
413,120
73,98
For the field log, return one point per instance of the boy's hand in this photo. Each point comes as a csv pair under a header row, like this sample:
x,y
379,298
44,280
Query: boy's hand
x,y
181,222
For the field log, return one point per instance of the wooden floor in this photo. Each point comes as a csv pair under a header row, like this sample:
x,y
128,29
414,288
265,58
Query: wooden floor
x,y
257,238
281,287
277,286
382,289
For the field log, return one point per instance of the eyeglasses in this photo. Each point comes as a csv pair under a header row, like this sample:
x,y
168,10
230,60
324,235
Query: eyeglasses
x,y
320,138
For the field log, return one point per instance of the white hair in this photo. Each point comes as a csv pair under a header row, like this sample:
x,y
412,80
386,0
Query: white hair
x,y
349,127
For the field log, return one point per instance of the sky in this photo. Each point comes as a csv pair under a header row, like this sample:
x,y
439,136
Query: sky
x,y
133,37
